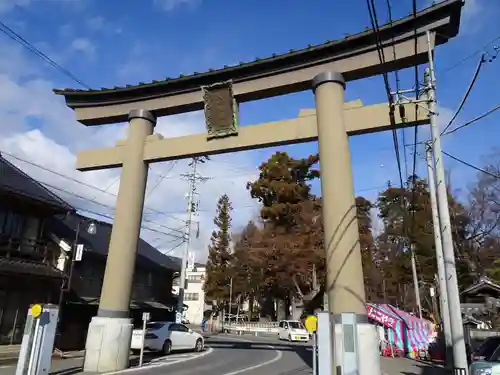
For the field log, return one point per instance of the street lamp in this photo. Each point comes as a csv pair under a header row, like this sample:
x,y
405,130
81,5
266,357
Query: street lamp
x,y
92,230
66,285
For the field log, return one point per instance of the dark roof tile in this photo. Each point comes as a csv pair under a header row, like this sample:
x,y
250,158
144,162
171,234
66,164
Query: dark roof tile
x,y
99,242
28,267
14,180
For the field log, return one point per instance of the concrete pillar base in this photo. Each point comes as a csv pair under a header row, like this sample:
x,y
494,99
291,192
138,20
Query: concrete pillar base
x,y
108,344
369,357
369,363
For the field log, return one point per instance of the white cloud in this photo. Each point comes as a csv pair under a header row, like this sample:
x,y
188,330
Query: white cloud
x,y
8,5
36,126
83,45
100,24
169,5
471,12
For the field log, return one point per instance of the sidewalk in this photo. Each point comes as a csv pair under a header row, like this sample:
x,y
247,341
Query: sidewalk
x,y
10,353
405,366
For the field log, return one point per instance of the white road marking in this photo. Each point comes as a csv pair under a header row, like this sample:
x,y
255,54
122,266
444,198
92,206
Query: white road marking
x,y
172,357
279,355
163,363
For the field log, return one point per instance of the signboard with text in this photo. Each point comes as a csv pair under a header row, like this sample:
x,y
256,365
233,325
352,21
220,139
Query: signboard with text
x,y
381,317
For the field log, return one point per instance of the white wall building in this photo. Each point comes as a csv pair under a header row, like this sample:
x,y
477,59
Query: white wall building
x,y
194,296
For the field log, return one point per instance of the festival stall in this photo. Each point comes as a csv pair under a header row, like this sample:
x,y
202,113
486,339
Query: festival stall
x,y
416,333
404,332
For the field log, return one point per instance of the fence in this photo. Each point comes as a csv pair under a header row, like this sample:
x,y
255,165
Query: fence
x,y
242,328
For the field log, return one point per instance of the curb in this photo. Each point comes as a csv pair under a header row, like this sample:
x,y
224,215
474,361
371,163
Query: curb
x,y
5,361
8,360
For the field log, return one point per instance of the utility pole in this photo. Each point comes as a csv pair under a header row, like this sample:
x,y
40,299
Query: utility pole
x,y
415,280
230,299
441,276
457,331
192,178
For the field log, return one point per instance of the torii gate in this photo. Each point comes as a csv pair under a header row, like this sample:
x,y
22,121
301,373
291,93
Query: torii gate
x,y
324,69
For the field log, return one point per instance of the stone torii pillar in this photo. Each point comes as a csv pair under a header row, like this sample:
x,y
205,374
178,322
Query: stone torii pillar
x,y
344,270
110,332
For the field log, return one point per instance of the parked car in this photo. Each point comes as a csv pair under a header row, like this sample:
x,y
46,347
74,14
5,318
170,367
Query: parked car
x,y
488,366
486,358
292,330
487,348
165,337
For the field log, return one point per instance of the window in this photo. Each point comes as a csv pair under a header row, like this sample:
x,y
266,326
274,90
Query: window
x,y
178,328
154,326
489,346
191,296
11,224
195,278
295,325
183,328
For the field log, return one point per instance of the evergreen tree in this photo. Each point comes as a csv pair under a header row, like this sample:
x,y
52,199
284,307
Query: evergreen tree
x,y
288,250
218,273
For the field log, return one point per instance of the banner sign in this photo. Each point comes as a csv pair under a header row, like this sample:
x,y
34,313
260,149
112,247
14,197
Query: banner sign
x,y
381,317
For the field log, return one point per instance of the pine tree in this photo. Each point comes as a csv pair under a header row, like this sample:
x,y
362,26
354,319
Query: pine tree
x,y
219,255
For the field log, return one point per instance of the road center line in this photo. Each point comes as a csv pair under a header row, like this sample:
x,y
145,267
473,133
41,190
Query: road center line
x,y
277,357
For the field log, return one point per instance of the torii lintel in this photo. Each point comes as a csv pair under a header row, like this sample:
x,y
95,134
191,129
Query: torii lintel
x,y
359,119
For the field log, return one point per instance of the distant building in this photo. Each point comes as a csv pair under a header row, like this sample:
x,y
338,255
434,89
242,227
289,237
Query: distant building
x,y
37,236
480,304
194,295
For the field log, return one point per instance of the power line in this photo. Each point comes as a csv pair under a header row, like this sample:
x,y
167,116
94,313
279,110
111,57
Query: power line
x,y
374,22
162,177
480,117
100,204
468,57
109,217
497,177
78,181
469,89
23,42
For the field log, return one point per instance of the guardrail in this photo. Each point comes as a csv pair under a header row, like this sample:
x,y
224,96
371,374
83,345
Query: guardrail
x,y
268,327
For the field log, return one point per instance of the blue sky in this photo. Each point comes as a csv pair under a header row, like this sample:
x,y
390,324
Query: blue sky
x,y
118,42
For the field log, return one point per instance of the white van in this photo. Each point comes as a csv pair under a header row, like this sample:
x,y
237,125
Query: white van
x,y
292,330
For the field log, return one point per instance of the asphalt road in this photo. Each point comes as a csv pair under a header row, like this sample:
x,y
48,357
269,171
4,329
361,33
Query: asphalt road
x,y
225,355
248,356
234,355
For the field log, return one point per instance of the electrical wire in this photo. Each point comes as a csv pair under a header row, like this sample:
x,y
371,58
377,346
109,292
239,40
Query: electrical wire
x,y
162,177
415,129
497,177
374,22
100,204
172,248
468,57
78,181
109,217
23,42
398,87
469,89
480,117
